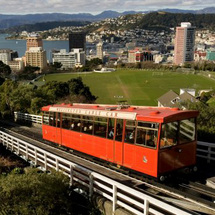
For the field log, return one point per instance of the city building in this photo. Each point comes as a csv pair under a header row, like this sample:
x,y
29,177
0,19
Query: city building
x,y
16,64
34,40
210,54
7,55
77,40
184,43
199,56
172,99
99,50
69,59
36,57
136,56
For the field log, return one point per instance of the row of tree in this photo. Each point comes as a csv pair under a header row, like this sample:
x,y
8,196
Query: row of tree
x,y
206,118
30,99
202,65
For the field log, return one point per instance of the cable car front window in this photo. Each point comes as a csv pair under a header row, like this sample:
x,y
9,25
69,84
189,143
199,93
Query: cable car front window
x,y
187,131
147,134
169,134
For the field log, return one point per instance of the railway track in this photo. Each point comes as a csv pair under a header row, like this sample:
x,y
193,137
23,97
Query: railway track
x,y
191,195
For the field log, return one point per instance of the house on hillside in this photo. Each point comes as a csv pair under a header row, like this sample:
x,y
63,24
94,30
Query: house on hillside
x,y
172,99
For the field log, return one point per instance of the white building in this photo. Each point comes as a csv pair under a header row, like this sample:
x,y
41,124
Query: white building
x,y
80,56
5,56
16,65
69,59
99,50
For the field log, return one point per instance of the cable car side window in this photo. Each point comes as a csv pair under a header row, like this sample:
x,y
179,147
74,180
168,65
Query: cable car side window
x,y
58,118
187,130
66,121
119,129
52,119
75,123
130,131
147,134
100,126
111,123
46,118
169,134
87,124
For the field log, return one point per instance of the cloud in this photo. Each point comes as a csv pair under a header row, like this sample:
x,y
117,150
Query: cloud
x,y
96,6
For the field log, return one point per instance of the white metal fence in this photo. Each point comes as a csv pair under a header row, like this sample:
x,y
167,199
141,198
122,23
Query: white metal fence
x,y
204,150
120,195
28,117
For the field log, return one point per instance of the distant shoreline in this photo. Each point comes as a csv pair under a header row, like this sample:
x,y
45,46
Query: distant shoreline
x,y
26,37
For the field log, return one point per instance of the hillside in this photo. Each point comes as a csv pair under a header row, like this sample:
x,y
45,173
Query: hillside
x,y
45,26
170,20
7,21
156,21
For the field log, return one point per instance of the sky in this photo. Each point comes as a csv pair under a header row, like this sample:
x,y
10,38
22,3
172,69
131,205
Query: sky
x,y
97,6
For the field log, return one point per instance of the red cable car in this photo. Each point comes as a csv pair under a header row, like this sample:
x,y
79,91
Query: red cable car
x,y
151,140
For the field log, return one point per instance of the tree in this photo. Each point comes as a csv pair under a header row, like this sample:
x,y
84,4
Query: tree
x,y
53,91
91,64
1,80
78,89
34,193
38,193
36,104
57,65
30,69
205,120
4,69
6,103
21,98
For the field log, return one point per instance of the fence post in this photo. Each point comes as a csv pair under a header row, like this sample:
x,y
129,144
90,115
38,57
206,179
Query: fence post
x,y
91,186
57,165
7,144
26,155
114,198
146,207
15,116
35,152
209,155
45,161
71,176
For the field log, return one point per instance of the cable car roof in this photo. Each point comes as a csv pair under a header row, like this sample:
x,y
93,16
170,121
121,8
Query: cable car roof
x,y
145,113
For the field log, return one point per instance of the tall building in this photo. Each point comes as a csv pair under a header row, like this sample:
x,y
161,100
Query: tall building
x,y
184,43
99,50
34,40
77,40
36,57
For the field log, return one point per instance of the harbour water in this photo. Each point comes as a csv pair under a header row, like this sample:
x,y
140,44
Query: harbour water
x,y
20,45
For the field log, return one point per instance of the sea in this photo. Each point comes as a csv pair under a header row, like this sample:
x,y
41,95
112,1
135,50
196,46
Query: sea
x,y
20,45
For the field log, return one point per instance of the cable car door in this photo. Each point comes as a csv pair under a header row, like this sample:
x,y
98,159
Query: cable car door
x,y
118,142
58,129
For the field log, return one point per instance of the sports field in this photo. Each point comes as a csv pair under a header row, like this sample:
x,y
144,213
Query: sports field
x,y
138,87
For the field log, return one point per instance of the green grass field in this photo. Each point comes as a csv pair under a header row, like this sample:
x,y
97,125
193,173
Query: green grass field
x,y
138,87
